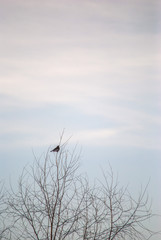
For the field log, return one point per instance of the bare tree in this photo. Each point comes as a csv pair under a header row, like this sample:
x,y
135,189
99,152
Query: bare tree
x,y
114,214
53,202
4,227
49,199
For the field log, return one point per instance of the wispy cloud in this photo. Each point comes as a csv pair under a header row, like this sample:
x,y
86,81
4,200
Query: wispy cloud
x,y
119,136
97,59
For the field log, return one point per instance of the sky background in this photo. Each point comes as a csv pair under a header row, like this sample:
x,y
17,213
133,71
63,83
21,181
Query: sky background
x,y
93,68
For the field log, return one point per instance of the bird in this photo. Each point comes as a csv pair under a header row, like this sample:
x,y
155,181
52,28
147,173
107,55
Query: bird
x,y
56,149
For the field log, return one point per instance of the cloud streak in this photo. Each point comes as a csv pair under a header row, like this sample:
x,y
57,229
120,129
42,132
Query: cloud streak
x,y
97,59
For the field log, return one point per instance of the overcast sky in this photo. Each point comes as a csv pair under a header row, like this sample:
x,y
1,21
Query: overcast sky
x,y
91,67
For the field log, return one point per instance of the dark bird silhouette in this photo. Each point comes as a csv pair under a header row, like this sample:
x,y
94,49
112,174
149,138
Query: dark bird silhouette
x,y
56,149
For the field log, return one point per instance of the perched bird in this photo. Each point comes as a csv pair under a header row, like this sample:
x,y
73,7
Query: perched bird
x,y
56,149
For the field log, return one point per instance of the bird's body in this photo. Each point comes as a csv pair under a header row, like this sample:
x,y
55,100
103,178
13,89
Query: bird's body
x,y
56,149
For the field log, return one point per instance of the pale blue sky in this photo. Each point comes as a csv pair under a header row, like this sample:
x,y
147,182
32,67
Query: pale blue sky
x,y
91,67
